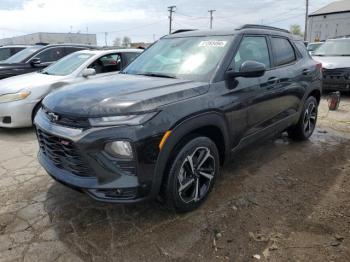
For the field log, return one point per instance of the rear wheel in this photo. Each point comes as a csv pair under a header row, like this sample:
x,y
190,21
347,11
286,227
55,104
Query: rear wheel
x,y
192,175
307,122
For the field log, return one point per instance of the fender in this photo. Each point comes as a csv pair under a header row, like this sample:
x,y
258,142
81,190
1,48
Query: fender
x,y
182,129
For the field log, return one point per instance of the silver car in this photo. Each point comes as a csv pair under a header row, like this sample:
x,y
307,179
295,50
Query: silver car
x,y
334,55
21,96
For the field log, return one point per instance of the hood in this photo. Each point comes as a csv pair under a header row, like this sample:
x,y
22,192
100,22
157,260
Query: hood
x,y
332,62
26,81
121,94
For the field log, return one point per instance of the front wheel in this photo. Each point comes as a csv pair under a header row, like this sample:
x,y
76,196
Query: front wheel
x,y
307,122
192,175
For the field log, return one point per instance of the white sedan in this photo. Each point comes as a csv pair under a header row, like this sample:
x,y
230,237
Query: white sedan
x,y
21,96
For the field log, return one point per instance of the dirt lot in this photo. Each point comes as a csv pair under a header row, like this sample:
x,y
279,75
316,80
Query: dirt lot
x,y
280,201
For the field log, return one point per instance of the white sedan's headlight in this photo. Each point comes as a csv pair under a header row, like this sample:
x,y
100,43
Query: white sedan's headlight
x,y
124,120
14,97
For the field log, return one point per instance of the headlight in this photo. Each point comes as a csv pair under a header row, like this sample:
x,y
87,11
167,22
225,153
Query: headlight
x,y
128,120
119,149
14,97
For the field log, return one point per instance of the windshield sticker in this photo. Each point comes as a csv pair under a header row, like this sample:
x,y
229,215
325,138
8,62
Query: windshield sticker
x,y
212,43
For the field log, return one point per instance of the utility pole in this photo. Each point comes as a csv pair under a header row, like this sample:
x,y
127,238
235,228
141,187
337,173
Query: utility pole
x,y
306,19
106,34
211,18
171,10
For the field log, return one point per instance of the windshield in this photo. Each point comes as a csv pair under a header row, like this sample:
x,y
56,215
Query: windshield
x,y
67,65
193,58
313,47
22,55
339,47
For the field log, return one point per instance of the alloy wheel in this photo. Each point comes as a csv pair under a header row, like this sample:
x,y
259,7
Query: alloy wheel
x,y
195,175
310,117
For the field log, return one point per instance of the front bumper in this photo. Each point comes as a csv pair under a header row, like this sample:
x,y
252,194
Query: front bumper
x,y
76,158
336,79
16,114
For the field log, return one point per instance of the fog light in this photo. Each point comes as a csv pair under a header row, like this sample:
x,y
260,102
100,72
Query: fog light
x,y
119,149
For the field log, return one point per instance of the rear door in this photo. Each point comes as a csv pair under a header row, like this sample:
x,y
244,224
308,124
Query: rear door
x,y
287,94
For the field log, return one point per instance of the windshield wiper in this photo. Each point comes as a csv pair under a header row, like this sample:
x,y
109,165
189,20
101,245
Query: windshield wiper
x,y
156,75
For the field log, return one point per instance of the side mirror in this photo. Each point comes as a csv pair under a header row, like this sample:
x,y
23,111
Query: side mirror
x,y
88,72
248,69
35,61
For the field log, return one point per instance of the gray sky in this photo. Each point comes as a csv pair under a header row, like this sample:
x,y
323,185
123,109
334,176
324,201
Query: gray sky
x,y
143,20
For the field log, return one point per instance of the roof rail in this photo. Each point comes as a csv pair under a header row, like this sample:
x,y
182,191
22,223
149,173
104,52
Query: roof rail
x,y
182,31
252,26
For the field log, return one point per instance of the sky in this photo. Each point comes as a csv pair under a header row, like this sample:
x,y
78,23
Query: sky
x,y
144,20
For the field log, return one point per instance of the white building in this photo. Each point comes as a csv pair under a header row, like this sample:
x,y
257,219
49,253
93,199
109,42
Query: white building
x,y
330,21
51,38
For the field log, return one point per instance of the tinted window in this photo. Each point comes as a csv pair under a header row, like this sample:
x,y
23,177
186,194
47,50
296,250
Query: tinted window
x,y
107,63
302,49
5,53
51,55
252,48
70,50
129,57
283,51
21,56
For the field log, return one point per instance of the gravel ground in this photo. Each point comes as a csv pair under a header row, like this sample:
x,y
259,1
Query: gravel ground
x,y
276,201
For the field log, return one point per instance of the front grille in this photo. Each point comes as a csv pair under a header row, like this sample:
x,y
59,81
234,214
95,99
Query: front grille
x,y
336,74
63,154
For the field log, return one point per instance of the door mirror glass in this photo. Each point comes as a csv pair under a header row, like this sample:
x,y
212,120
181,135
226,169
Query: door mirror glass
x,y
248,69
35,61
88,72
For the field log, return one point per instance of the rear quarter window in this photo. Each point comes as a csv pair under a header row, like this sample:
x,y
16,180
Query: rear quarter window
x,y
283,51
302,48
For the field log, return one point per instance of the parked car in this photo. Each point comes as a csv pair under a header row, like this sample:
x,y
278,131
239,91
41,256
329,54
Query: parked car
x,y
37,57
335,58
21,96
10,50
166,124
312,47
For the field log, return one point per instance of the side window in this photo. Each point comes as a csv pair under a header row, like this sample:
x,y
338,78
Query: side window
x,y
252,48
283,51
129,57
107,63
51,55
70,50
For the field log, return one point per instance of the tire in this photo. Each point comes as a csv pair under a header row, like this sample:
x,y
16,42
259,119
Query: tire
x,y
307,122
188,185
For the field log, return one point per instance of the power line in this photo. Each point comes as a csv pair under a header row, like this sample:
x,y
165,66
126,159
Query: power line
x,y
171,10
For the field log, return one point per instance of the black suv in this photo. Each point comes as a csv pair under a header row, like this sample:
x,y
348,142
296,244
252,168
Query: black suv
x,y
10,50
164,126
37,57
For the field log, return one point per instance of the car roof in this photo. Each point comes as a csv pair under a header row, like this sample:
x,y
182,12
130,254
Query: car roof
x,y
11,46
245,29
110,51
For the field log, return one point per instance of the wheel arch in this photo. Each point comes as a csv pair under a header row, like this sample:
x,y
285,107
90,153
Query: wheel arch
x,y
211,124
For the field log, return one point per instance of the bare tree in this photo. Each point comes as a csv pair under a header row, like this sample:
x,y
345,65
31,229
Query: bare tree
x,y
126,42
117,42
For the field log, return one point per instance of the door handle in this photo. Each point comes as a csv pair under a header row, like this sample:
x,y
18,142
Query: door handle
x,y
306,72
273,80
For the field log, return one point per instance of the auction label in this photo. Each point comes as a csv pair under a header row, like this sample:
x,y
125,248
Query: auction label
x,y
212,43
